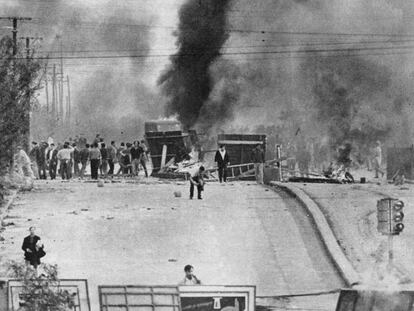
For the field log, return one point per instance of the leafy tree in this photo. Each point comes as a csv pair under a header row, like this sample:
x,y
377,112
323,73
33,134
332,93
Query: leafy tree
x,y
41,291
20,77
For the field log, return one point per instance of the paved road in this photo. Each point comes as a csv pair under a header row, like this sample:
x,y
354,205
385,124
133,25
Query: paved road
x,y
128,233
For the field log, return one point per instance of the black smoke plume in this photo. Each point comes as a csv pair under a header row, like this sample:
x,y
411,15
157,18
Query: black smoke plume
x,y
202,31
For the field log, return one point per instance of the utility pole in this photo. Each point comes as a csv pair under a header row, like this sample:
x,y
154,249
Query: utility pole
x,y
61,80
14,20
54,92
47,91
68,111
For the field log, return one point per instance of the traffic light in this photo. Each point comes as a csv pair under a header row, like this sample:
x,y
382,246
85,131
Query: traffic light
x,y
383,216
397,216
390,216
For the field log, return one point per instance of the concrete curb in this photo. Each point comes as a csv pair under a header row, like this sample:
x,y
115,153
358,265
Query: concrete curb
x,y
342,263
6,207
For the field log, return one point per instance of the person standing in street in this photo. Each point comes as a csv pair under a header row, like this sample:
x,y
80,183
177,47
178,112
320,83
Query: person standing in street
x,y
190,278
33,159
197,180
64,156
258,159
52,160
135,157
377,160
33,251
41,160
76,160
95,158
222,160
84,157
143,159
104,160
112,157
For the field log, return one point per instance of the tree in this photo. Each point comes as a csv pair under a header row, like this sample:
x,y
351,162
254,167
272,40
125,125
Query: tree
x,y
41,292
20,77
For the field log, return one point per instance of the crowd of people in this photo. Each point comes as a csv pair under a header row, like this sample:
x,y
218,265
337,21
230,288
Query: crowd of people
x,y
71,160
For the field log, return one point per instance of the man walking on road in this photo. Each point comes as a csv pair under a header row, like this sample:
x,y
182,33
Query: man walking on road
x,y
258,159
222,159
32,251
196,179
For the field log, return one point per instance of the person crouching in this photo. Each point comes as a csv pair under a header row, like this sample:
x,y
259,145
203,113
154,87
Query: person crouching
x,y
196,179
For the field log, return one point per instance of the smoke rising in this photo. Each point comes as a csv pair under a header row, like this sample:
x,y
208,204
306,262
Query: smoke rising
x,y
110,96
329,98
188,83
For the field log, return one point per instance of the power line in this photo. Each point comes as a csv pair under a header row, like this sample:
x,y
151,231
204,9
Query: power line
x,y
322,44
229,53
259,31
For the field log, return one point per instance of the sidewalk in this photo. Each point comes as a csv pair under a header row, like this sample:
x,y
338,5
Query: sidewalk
x,y
350,210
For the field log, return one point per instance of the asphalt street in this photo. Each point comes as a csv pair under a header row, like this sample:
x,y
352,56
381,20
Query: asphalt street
x,y
140,233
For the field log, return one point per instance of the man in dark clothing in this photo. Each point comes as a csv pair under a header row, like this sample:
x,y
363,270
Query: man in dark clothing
x,y
33,158
95,158
104,160
222,159
52,161
31,248
41,160
143,159
84,157
196,179
258,158
112,157
76,160
135,157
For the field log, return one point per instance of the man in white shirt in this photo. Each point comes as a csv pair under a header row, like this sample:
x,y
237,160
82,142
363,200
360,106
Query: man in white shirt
x,y
64,156
190,278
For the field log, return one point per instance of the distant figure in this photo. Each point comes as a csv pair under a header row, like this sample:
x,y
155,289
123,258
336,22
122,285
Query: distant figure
x,y
97,139
135,157
145,148
222,160
258,158
33,250
41,160
52,160
95,158
377,160
84,157
112,157
190,278
104,160
196,179
22,162
76,160
64,156
33,156
143,158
